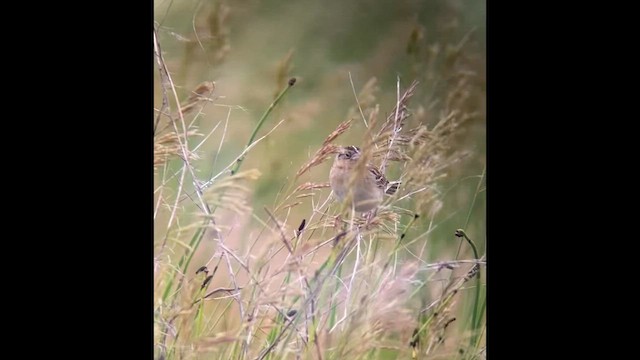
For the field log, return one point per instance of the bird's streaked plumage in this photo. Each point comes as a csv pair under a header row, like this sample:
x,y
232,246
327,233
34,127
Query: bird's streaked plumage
x,y
367,190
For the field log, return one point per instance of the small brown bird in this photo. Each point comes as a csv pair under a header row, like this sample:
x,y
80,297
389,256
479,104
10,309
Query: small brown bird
x,y
367,189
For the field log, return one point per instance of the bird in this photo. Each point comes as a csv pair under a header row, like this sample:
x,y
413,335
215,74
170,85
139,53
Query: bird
x,y
366,191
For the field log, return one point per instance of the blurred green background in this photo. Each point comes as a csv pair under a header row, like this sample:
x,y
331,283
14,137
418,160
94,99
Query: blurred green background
x,y
244,46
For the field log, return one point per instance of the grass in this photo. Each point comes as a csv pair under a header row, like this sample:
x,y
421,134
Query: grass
x,y
255,259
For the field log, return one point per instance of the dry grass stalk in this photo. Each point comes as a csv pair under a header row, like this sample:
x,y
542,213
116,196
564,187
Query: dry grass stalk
x,y
167,146
229,192
380,313
327,148
212,343
312,186
399,113
365,99
202,92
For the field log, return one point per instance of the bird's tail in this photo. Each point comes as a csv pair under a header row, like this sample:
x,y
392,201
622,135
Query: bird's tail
x,y
392,187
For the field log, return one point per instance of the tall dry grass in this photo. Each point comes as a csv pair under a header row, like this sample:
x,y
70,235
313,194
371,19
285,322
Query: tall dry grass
x,y
302,276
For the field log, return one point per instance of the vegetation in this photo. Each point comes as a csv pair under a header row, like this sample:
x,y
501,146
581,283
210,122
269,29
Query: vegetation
x,y
253,256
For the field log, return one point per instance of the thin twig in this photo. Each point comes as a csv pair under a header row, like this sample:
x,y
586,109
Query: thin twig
x,y
166,77
353,88
399,114
282,234
224,132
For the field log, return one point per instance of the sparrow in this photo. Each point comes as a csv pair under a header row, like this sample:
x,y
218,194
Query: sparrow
x,y
366,190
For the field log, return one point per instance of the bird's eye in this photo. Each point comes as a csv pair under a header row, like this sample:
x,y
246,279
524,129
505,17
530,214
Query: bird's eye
x,y
347,155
